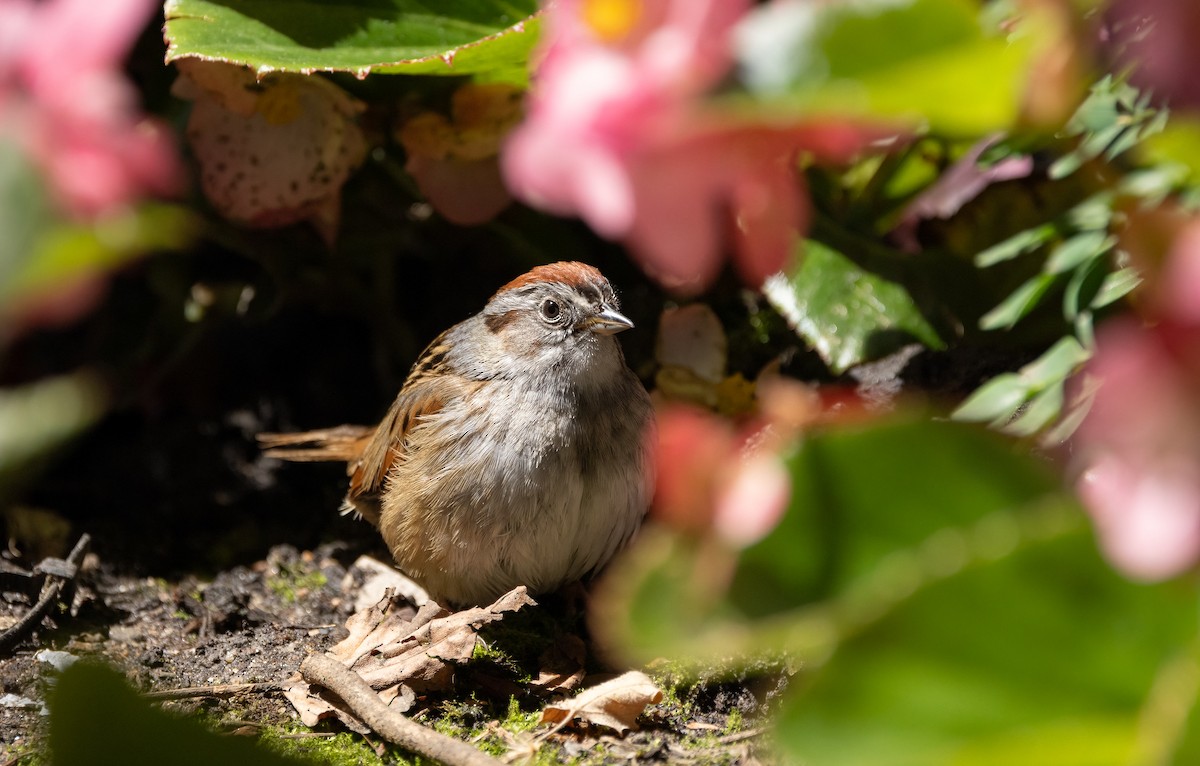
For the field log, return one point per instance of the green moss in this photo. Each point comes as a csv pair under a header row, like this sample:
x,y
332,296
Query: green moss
x,y
518,720
26,754
343,749
290,584
734,723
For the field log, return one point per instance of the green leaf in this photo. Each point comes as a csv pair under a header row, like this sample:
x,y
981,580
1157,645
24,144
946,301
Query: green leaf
x,y
1078,249
927,61
67,251
1056,364
1016,306
1018,244
451,37
24,213
1116,286
97,719
1178,145
1082,287
846,313
997,399
854,505
1043,409
39,416
1045,656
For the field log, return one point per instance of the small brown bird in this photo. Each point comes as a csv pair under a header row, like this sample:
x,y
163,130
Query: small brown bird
x,y
517,450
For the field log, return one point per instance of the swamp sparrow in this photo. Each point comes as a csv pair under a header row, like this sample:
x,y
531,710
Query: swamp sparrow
x,y
516,451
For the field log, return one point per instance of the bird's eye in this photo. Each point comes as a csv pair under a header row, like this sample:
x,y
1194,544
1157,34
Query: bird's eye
x,y
550,310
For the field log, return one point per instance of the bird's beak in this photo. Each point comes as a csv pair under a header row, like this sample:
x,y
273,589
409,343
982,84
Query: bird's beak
x,y
607,322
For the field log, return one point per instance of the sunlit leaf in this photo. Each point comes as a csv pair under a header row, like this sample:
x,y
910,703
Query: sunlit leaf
x,y
848,314
1055,364
852,508
1078,249
1041,411
927,61
1046,656
453,37
1116,286
997,398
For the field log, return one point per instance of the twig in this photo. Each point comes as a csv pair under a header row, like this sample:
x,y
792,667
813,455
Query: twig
x,y
363,702
55,582
220,690
729,739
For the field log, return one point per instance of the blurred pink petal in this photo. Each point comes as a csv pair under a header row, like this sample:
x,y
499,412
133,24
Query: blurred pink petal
x,y
691,446
1158,38
1147,516
753,502
1140,451
466,193
713,480
73,37
1178,289
64,96
961,183
618,134
454,158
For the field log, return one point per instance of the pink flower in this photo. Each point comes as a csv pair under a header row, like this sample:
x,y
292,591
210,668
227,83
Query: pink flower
x,y
454,160
711,478
1139,447
617,134
1157,37
64,98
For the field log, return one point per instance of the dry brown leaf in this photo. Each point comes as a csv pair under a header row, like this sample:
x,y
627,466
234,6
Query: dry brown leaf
x,y
615,704
561,667
402,653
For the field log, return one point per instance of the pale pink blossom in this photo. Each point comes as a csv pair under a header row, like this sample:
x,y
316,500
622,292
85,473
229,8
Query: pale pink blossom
x,y
1139,447
64,98
715,479
617,132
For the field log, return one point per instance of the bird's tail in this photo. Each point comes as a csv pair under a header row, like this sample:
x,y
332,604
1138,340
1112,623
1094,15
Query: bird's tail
x,y
341,444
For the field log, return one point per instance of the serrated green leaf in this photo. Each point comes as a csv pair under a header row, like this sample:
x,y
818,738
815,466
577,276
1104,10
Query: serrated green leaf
x,y
847,314
926,61
452,37
1016,306
997,399
1018,244
1077,250
1116,286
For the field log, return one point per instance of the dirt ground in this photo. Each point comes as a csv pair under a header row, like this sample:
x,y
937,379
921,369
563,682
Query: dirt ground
x,y
255,624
